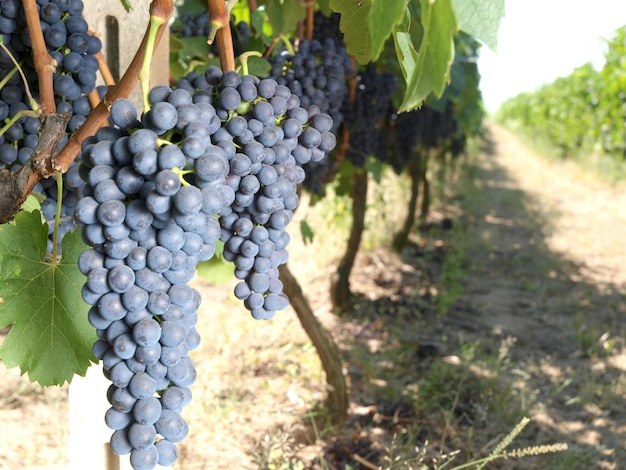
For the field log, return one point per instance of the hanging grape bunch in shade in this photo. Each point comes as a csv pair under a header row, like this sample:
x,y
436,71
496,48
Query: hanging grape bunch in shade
x,y
218,159
65,33
363,116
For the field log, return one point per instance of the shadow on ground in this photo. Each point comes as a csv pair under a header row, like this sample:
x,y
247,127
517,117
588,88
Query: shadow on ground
x,y
451,344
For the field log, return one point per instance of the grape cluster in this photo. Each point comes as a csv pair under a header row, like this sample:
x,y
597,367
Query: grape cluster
x,y
406,131
458,145
73,49
199,25
436,125
423,128
327,27
148,229
363,116
277,136
219,158
317,73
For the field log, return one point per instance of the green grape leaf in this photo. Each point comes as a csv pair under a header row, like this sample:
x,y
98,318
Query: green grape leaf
x,y
375,168
343,180
188,54
324,6
258,66
383,17
191,7
216,270
50,337
127,6
353,24
32,202
480,18
190,48
239,12
262,27
284,15
435,55
407,55
307,232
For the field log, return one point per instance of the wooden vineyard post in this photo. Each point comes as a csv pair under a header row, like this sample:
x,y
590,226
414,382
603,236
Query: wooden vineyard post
x,y
121,34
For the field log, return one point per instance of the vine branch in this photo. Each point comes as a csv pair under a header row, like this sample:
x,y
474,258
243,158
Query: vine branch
x,y
160,8
44,63
15,187
220,22
310,14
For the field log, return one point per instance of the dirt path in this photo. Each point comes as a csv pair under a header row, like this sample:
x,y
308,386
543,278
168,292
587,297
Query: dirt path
x,y
589,217
550,271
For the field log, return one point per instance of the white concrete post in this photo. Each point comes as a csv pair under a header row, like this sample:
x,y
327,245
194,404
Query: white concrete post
x,y
121,34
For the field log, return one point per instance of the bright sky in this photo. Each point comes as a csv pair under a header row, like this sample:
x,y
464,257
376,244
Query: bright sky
x,y
540,40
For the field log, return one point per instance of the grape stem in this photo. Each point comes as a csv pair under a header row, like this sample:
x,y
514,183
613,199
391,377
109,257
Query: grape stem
x,y
310,12
13,71
107,76
287,43
19,115
57,216
44,63
161,8
15,188
103,67
220,29
230,5
243,60
18,68
144,75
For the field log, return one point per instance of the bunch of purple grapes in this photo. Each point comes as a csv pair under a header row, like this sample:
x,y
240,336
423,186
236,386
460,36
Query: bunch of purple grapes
x,y
218,159
327,27
73,49
317,73
363,117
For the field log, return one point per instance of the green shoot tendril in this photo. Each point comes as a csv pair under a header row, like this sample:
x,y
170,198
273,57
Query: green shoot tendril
x,y
33,103
57,217
287,44
8,76
17,117
144,73
243,60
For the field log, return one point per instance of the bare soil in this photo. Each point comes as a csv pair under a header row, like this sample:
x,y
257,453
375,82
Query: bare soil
x,y
510,302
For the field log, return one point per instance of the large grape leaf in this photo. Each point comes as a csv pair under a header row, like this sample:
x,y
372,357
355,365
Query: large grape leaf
x,y
407,55
480,18
383,18
355,27
191,7
436,52
284,15
50,338
324,6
